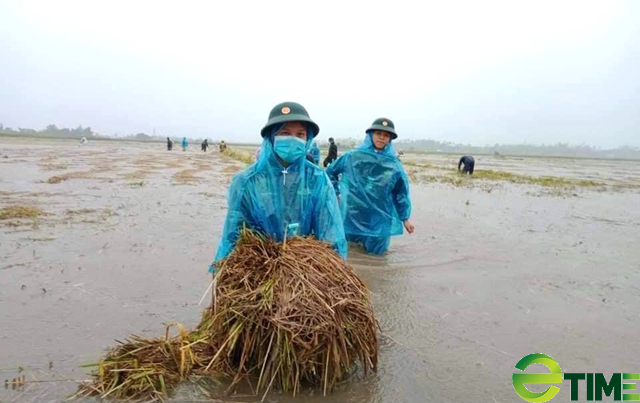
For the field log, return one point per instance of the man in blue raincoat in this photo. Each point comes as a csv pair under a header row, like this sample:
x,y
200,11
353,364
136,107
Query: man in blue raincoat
x,y
373,189
282,193
314,153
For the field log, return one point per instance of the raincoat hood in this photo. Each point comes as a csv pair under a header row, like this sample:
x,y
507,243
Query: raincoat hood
x,y
367,146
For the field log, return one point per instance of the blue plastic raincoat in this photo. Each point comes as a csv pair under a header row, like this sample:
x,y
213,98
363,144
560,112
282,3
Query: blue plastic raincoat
x,y
374,194
315,153
272,199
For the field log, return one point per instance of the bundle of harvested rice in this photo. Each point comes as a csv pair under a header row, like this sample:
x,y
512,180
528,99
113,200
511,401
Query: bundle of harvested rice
x,y
283,314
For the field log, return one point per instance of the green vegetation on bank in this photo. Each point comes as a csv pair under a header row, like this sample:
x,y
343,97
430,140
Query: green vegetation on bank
x,y
532,180
452,177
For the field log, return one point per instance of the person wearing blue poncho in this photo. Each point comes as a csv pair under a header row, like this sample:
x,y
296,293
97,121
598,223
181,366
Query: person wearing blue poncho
x,y
282,193
314,153
373,189
184,144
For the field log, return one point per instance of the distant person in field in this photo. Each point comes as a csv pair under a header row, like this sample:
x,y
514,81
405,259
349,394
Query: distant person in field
x,y
169,144
314,153
184,144
333,153
468,163
223,146
204,145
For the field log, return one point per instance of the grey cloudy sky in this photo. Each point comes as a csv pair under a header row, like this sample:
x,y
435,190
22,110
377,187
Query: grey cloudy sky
x,y
475,72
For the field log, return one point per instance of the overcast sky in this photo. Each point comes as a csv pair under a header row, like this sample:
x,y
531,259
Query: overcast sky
x,y
478,72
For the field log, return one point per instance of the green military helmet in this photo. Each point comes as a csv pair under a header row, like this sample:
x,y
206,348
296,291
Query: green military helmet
x,y
289,112
385,125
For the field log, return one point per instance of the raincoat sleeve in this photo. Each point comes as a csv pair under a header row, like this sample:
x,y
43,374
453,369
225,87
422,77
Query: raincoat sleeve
x,y
236,216
334,170
401,196
327,224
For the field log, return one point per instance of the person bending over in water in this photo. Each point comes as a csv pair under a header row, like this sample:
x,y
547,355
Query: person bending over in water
x,y
468,163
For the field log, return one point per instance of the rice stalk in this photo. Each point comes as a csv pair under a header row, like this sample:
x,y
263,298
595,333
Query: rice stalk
x,y
283,317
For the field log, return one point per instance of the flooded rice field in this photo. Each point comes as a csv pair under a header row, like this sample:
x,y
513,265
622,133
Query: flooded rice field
x,y
122,235
622,173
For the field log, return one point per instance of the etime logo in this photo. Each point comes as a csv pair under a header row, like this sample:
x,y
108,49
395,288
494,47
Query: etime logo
x,y
596,384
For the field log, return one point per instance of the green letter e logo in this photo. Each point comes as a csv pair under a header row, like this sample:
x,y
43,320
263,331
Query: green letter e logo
x,y
554,377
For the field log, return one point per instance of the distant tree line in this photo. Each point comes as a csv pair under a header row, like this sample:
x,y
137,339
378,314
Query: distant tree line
x,y
55,132
551,150
51,131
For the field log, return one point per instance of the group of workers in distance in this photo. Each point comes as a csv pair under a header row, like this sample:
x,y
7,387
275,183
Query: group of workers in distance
x,y
203,146
362,197
184,144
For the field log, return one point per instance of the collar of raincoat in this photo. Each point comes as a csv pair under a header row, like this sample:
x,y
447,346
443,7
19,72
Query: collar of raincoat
x,y
367,146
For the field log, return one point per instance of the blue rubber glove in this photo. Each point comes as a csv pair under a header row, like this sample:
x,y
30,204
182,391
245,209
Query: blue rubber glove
x,y
212,269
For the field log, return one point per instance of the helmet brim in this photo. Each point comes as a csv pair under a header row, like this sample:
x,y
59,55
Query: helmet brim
x,y
387,129
290,118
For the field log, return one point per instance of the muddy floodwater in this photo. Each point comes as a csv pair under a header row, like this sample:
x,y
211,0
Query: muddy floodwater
x,y
490,275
